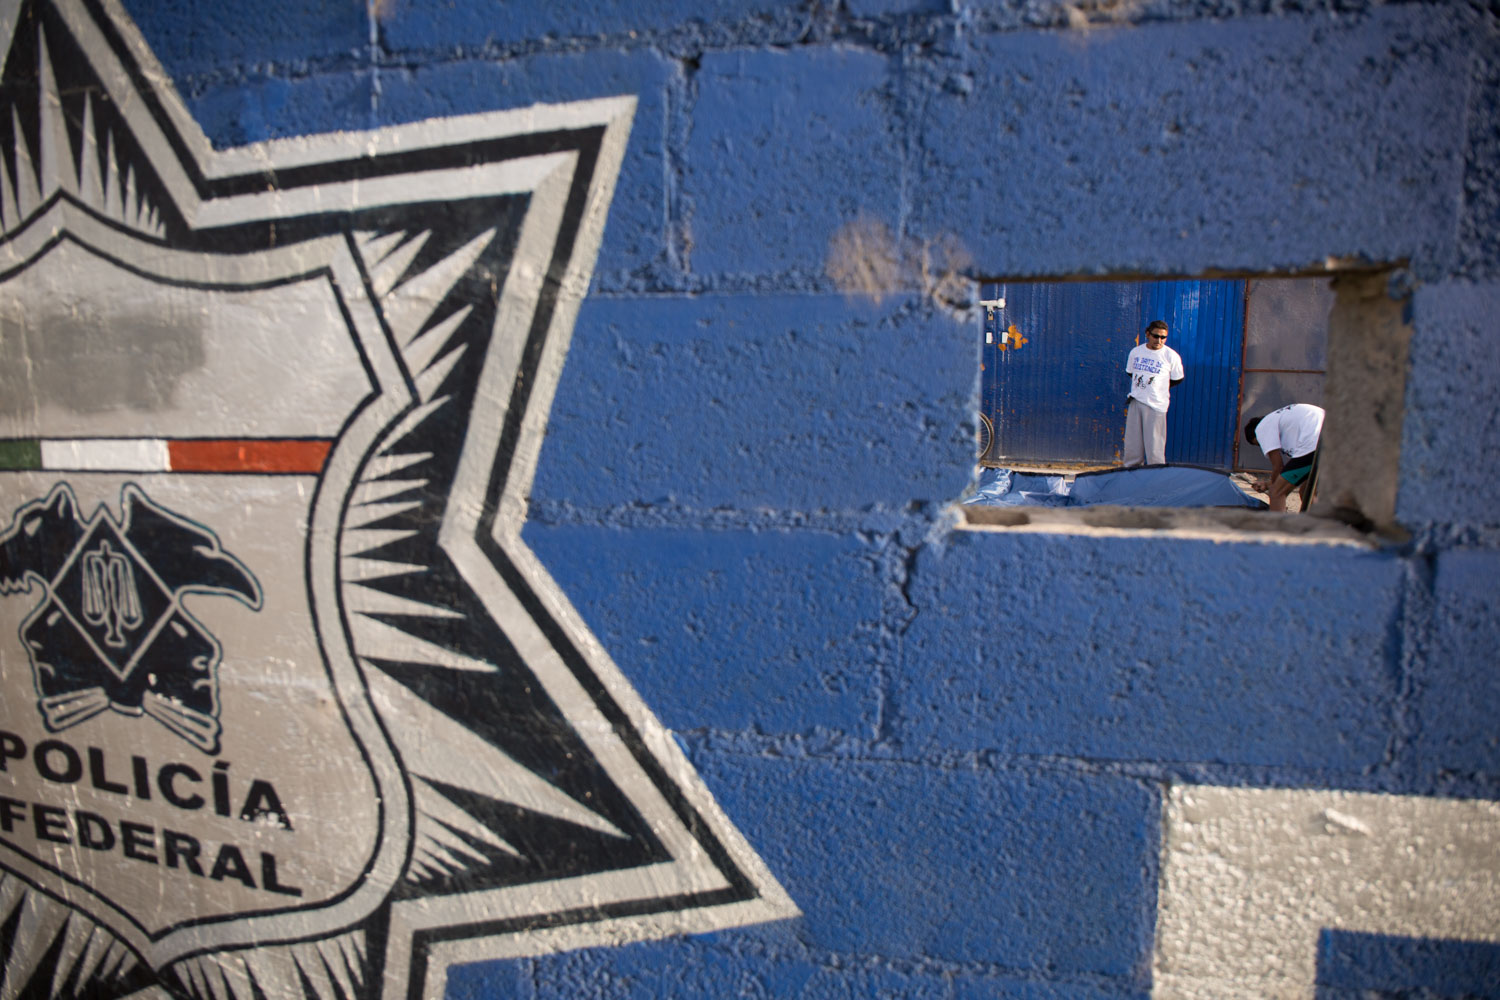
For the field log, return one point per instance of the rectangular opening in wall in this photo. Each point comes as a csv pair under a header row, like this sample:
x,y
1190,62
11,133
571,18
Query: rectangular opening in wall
x,y
1058,426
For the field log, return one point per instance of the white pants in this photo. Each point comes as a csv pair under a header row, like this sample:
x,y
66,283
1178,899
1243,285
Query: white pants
x,y
1145,435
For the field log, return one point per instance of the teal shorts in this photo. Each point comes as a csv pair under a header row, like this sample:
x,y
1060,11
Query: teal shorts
x,y
1298,468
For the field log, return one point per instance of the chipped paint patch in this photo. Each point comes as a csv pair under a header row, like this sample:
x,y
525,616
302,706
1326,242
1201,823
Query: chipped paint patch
x,y
865,259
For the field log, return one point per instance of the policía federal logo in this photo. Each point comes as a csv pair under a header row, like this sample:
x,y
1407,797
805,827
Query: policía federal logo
x,y
289,706
110,631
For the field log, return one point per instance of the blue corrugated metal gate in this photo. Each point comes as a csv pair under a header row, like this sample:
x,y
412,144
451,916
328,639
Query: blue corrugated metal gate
x,y
1207,324
1054,360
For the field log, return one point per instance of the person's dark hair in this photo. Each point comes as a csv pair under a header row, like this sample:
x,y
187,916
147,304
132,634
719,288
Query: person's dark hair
x,y
1250,429
1157,324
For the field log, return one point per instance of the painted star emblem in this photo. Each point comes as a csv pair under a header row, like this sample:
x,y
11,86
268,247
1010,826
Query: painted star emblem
x,y
355,340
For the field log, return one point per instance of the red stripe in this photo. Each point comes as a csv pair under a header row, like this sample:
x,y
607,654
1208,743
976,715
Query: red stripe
x,y
248,456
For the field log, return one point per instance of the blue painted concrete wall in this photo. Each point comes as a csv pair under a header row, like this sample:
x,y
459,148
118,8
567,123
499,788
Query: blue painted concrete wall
x,y
950,748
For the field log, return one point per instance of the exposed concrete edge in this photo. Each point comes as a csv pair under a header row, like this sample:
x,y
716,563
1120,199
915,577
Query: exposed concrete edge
x,y
1217,524
1369,340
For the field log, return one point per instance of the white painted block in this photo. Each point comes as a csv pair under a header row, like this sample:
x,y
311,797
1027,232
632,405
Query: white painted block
x,y
1249,877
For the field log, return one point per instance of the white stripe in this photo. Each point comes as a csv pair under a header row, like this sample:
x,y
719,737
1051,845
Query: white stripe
x,y
1250,877
519,176
112,454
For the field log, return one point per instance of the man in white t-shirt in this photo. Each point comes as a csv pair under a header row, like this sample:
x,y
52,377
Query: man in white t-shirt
x,y
1153,368
1289,437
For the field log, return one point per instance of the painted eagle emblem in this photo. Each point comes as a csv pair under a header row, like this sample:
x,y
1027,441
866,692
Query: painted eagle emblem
x,y
110,631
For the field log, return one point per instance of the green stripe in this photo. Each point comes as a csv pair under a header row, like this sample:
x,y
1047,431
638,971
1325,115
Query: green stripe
x,y
20,455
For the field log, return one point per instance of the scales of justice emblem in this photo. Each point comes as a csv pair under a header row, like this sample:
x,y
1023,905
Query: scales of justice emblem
x,y
290,706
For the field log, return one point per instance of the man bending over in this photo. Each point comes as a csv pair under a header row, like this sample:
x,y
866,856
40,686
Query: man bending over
x,y
1289,437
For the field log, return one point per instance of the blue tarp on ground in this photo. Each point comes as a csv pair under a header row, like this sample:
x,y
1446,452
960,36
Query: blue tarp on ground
x,y
1150,486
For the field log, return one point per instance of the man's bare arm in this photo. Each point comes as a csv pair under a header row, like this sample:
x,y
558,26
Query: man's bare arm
x,y
1278,489
1265,485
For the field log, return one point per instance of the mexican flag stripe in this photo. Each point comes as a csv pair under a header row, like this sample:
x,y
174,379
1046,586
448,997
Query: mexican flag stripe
x,y
115,455
248,456
240,455
20,455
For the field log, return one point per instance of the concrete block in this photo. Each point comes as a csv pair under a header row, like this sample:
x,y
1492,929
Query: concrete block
x,y
785,148
1173,148
786,402
974,987
1479,233
259,107
1455,685
1151,649
1354,966
1023,870
886,8
507,980
492,23
679,968
771,631
633,233
190,37
1450,443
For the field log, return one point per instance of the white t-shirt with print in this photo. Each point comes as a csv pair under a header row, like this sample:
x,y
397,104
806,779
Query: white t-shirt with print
x,y
1294,429
1150,372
